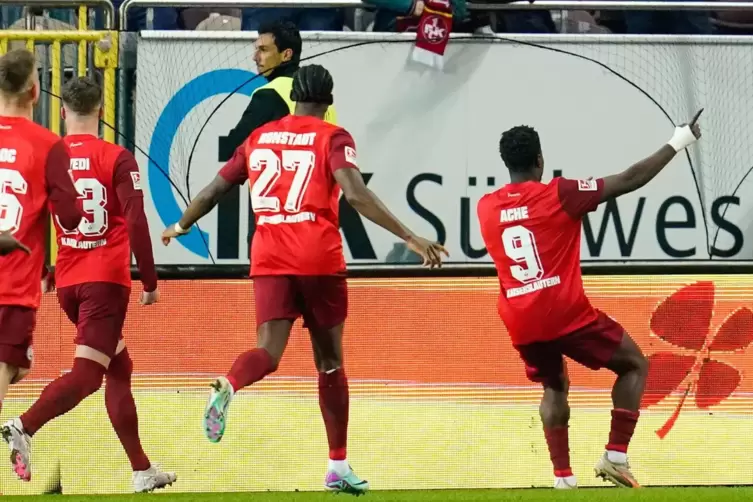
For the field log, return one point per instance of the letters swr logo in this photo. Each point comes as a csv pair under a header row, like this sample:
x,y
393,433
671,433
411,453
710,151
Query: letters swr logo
x,y
693,366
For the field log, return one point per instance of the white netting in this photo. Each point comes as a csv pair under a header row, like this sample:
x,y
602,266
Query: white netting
x,y
408,119
682,77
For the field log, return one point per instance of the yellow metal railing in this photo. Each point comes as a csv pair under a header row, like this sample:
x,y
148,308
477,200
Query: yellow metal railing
x,y
105,51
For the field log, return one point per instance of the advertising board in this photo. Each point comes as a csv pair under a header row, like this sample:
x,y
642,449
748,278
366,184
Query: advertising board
x,y
436,385
428,140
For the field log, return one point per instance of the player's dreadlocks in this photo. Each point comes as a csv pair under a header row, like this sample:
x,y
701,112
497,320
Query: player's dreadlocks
x,y
312,84
519,148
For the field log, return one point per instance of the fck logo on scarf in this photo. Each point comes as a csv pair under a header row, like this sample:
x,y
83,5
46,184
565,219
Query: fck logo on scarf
x,y
433,33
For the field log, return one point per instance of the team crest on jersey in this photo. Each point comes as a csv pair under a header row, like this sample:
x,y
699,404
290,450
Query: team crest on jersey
x,y
587,185
350,156
136,177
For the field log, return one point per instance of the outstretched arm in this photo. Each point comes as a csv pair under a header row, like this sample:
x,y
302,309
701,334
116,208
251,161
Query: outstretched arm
x,y
643,171
205,201
368,204
233,173
342,159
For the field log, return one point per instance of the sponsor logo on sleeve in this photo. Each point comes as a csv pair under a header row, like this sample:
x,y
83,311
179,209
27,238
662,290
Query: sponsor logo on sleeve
x,y
350,156
587,185
136,177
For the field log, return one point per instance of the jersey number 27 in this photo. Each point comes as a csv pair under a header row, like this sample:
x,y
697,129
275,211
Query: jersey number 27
x,y
300,163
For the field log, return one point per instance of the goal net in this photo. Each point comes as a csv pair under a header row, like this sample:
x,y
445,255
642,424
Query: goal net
x,y
600,104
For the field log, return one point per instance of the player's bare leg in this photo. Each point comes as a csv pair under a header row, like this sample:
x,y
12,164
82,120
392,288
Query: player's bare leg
x,y
121,408
554,411
334,402
18,442
631,368
248,368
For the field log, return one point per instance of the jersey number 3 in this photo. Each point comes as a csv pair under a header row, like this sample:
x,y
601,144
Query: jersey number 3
x,y
299,162
520,247
94,195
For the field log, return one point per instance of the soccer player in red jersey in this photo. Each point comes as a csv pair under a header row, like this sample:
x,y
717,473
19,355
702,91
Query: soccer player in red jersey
x,y
296,168
532,232
33,172
93,279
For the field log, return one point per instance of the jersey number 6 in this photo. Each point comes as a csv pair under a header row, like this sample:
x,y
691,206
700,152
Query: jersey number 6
x,y
11,210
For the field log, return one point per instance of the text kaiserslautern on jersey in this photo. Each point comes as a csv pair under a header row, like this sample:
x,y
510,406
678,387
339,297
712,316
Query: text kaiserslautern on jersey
x,y
532,232
33,170
290,164
99,249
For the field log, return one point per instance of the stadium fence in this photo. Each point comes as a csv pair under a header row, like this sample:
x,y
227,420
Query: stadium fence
x,y
61,53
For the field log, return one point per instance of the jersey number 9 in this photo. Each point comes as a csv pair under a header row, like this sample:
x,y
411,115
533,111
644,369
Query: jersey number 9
x,y
520,247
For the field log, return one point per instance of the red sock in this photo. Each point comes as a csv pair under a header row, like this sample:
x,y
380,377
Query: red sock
x,y
121,409
623,426
335,404
559,450
250,367
64,394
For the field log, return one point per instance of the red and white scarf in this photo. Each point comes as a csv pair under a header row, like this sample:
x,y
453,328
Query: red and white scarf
x,y
432,32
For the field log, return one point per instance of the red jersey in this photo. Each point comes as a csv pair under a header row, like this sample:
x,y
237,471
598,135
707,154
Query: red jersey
x,y
99,249
33,170
290,164
532,232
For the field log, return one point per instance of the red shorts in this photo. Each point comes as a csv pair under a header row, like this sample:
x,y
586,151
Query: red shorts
x,y
16,334
592,346
322,300
98,310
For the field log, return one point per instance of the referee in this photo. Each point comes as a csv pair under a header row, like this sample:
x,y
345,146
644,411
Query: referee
x,y
277,56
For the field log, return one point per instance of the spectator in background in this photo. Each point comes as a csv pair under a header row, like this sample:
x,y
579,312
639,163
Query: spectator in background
x,y
164,19
733,22
403,15
668,22
525,21
13,17
305,19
